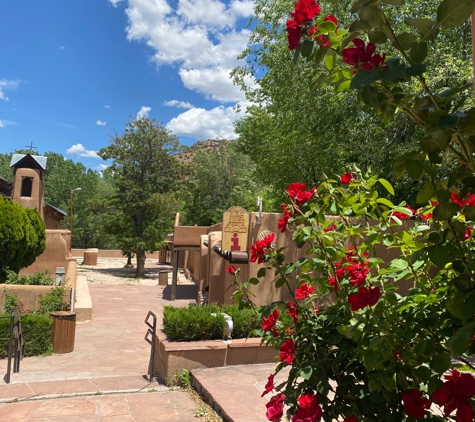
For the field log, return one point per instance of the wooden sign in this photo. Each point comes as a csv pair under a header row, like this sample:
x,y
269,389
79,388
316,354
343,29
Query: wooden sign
x,y
235,229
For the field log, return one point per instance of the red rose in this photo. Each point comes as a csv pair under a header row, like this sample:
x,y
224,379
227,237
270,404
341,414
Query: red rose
x,y
458,389
305,10
330,228
268,322
293,312
351,419
309,410
468,234
362,54
260,248
403,216
294,33
366,296
299,194
287,351
269,386
414,405
275,407
347,178
303,291
282,224
231,269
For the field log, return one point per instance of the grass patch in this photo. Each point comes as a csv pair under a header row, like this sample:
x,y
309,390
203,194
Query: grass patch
x,y
195,323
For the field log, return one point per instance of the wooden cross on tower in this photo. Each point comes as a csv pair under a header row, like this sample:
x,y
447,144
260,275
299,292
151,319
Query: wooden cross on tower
x,y
31,147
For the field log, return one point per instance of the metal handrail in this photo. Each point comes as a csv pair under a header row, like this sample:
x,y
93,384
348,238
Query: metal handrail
x,y
152,330
17,351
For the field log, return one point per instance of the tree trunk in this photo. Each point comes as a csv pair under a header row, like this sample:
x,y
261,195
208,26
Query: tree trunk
x,y
140,270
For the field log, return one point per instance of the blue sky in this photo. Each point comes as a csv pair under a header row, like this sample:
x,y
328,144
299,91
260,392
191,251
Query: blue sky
x,y
73,72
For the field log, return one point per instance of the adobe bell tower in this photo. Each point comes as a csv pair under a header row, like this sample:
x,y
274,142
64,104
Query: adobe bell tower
x,y
28,181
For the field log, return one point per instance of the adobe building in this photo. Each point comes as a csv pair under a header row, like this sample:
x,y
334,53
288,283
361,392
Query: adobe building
x,y
27,189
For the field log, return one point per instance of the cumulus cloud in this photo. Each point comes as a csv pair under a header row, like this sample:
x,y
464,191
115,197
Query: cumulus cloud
x,y
107,106
67,125
206,124
101,167
178,104
100,123
143,112
204,26
6,84
61,47
114,2
80,151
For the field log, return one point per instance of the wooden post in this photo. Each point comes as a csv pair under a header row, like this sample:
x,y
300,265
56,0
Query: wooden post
x,y
175,273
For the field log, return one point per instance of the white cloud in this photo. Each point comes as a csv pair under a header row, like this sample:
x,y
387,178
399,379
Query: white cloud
x,y
4,123
100,123
6,84
178,104
114,2
61,47
213,83
107,106
101,167
80,151
206,124
204,26
143,112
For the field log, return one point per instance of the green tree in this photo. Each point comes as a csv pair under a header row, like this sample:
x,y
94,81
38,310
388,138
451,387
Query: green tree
x,y
221,178
146,176
22,236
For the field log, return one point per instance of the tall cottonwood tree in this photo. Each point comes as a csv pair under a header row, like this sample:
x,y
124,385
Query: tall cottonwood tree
x,y
146,176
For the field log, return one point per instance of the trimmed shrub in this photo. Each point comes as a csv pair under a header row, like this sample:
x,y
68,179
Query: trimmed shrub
x,y
196,323
36,332
22,236
42,278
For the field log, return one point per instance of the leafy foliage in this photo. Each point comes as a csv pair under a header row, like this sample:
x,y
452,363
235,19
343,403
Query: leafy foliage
x,y
42,278
146,176
22,236
197,323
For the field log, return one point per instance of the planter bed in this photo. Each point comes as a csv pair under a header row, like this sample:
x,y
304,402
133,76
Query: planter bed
x,y
171,356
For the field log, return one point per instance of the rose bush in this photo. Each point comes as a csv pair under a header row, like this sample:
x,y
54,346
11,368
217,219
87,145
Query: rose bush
x,y
367,337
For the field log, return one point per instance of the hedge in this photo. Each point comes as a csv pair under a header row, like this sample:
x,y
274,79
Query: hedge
x,y
36,332
196,323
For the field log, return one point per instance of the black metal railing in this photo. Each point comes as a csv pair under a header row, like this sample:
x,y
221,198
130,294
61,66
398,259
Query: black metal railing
x,y
152,331
16,344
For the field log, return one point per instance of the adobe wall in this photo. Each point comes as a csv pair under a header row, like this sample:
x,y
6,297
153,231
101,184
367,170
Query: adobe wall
x,y
55,255
28,295
37,190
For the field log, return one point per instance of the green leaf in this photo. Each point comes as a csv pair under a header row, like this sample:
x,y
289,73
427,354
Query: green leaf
x,y
297,53
464,283
369,95
445,211
374,385
261,273
425,194
399,264
458,343
415,169
253,281
360,4
440,363
326,27
306,372
387,379
406,40
366,77
280,282
439,255
306,48
468,126
330,60
394,2
416,69
345,331
385,201
387,186
469,213
377,37
452,13
320,54
422,25
418,52
423,373
460,308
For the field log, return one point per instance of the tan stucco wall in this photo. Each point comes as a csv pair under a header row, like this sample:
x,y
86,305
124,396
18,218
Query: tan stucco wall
x,y
28,295
37,191
55,255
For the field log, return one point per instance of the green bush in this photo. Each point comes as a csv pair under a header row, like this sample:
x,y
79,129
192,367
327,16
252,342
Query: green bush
x,y
36,332
196,323
52,301
22,237
42,278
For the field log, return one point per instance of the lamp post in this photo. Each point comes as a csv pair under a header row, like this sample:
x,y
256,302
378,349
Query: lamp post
x,y
71,210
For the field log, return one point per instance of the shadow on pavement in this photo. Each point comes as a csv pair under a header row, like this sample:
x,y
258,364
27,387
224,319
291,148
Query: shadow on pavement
x,y
182,292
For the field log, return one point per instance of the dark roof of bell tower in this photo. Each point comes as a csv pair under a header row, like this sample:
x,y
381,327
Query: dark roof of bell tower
x,y
28,161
